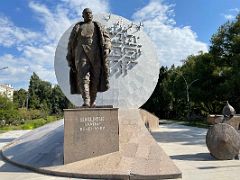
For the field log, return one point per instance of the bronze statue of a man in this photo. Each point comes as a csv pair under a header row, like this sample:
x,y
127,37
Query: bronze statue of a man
x,y
88,48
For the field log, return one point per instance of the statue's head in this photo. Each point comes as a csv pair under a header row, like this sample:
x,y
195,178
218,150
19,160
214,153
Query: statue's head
x,y
87,15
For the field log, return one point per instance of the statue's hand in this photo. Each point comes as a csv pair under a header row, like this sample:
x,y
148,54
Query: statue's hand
x,y
73,68
70,62
106,53
69,57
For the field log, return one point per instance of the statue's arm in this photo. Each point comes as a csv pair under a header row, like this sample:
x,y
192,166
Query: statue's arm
x,y
107,39
71,45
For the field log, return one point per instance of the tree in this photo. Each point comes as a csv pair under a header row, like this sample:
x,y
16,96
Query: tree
x,y
225,49
46,98
39,93
20,98
215,75
8,111
159,102
59,100
33,90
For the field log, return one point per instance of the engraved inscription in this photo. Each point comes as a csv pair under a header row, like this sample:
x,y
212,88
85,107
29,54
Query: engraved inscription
x,y
91,123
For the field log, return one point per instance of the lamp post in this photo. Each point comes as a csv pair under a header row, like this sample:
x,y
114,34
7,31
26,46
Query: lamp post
x,y
27,100
188,85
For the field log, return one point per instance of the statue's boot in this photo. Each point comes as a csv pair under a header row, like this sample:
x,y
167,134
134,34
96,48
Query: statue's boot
x,y
93,99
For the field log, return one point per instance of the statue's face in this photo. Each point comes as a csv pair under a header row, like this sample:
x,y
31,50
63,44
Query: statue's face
x,y
87,15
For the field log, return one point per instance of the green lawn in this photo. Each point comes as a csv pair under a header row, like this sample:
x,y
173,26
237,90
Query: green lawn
x,y
30,124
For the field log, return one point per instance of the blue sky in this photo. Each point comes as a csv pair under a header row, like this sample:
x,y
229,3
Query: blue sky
x,y
30,29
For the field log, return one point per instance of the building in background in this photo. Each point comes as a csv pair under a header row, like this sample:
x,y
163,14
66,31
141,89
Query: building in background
x,y
7,91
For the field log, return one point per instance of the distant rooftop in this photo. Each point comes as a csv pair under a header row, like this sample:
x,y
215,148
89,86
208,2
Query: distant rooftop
x,y
6,86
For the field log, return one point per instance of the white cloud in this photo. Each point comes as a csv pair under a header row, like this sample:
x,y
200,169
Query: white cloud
x,y
42,56
231,14
54,23
76,6
37,49
229,17
13,36
21,68
173,43
57,20
18,72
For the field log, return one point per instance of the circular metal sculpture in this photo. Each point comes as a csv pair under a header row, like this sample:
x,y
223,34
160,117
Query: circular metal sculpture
x,y
223,141
134,65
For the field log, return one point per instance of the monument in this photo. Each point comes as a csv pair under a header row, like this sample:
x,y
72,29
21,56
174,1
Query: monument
x,y
133,63
88,49
106,142
89,132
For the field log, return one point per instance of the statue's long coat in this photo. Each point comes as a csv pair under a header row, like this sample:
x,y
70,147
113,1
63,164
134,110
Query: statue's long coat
x,y
105,43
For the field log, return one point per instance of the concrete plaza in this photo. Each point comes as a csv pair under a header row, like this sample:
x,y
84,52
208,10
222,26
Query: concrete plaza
x,y
184,144
187,148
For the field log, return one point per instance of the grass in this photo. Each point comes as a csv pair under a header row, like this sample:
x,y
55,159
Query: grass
x,y
30,124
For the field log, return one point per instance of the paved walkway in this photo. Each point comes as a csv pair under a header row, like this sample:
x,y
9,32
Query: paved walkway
x,y
184,144
11,172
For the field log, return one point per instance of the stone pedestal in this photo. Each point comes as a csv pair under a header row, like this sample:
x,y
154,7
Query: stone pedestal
x,y
90,132
139,155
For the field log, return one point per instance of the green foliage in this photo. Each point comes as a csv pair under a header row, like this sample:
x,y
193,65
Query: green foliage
x,y
45,98
5,103
30,114
209,79
39,93
160,100
31,109
8,112
59,100
10,115
31,124
225,49
20,98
